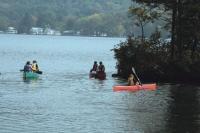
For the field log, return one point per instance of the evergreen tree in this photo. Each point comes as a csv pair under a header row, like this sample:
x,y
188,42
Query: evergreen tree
x,y
184,24
151,58
142,16
25,24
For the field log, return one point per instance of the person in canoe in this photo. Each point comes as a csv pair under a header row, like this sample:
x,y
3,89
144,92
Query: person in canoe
x,y
101,71
132,80
93,71
95,67
101,67
28,67
34,66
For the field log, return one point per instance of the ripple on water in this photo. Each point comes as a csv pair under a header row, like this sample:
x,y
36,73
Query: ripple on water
x,y
64,99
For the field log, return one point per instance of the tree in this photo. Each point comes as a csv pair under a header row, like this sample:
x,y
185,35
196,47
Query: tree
x,y
25,24
69,22
151,57
3,23
142,16
185,15
47,18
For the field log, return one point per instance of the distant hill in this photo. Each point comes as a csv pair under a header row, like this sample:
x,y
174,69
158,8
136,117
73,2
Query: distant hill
x,y
88,17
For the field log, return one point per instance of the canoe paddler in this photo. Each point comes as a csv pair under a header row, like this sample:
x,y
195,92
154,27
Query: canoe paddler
x,y
27,67
94,68
35,67
101,67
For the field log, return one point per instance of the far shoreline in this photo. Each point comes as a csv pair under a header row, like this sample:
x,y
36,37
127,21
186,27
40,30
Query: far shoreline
x,y
124,37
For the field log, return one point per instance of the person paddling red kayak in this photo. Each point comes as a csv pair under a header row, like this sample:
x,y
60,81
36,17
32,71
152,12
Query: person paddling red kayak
x,y
132,80
134,84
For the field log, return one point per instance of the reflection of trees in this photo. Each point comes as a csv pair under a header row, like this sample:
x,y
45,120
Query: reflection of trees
x,y
184,110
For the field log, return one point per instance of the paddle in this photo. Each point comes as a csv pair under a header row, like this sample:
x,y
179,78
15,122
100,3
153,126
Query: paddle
x,y
133,70
38,72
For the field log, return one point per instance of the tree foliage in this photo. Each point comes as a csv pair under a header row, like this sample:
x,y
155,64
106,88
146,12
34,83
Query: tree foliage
x,y
185,15
142,16
91,17
156,60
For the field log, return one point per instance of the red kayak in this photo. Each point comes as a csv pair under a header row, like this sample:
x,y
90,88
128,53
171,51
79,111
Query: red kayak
x,y
135,87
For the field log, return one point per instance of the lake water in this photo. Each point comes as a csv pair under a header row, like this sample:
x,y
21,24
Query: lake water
x,y
65,100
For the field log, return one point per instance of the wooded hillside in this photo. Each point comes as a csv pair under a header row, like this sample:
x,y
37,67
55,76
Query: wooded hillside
x,y
87,16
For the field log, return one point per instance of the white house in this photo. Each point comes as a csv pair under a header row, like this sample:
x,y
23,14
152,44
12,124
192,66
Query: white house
x,y
11,30
49,31
36,31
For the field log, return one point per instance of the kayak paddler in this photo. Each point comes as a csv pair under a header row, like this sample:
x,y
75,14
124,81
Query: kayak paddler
x,y
132,80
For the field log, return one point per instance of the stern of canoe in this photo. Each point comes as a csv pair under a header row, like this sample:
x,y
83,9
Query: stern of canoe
x,y
30,75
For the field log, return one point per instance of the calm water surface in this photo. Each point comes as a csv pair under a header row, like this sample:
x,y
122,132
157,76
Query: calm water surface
x,y
65,100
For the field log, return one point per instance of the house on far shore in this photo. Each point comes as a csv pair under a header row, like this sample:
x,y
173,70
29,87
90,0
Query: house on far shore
x,y
44,31
11,30
57,33
36,31
68,33
49,31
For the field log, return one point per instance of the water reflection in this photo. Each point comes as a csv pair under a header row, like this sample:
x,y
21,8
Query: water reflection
x,y
30,80
64,99
184,110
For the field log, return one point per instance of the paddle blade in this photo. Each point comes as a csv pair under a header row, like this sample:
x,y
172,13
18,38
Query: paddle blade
x,y
133,69
39,72
134,72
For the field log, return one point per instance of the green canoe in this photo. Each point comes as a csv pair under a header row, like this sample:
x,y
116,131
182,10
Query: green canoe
x,y
30,75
